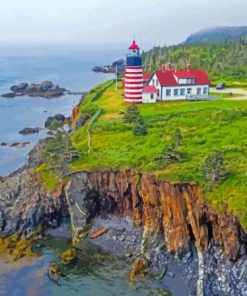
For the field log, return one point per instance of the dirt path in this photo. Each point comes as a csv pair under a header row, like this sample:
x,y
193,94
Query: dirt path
x,y
239,91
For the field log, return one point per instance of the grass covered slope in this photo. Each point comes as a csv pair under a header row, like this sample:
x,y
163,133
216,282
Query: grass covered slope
x,y
205,127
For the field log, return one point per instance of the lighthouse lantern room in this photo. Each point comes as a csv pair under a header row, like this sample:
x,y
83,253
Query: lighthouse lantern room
x,y
133,75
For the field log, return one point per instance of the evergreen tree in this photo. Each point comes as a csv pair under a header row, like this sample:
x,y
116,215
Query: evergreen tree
x,y
139,128
169,154
214,170
132,114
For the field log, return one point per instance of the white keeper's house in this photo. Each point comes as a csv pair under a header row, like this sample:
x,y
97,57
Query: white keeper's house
x,y
174,84
166,84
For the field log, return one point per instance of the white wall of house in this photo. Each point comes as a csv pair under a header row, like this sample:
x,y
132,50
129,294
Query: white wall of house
x,y
182,91
149,97
154,81
178,92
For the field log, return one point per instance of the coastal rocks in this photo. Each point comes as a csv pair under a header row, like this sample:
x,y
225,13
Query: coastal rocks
x,y
68,256
118,66
26,207
15,145
45,89
176,213
58,118
19,88
29,130
140,264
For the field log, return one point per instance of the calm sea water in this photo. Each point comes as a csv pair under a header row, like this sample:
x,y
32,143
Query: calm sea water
x,y
70,67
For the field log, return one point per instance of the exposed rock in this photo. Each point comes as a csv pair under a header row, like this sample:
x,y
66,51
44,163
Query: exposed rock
x,y
3,144
26,207
9,95
29,130
177,213
46,89
68,256
139,265
19,88
19,145
58,117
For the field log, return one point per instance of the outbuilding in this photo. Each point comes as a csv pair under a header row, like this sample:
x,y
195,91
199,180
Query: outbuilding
x,y
149,94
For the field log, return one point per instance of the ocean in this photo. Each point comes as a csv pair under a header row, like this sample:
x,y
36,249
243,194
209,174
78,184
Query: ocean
x,y
68,66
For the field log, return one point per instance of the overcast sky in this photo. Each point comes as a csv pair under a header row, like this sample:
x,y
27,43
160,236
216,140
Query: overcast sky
x,y
113,21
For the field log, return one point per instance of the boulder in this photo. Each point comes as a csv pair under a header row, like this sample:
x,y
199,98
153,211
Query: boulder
x,y
46,86
29,130
57,117
19,88
9,95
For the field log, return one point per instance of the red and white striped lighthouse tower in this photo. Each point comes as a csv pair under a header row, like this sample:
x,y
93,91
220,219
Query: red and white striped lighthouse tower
x,y
133,75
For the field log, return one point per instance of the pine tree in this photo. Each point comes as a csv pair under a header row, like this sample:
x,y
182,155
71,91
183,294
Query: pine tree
x,y
139,128
132,114
169,155
214,170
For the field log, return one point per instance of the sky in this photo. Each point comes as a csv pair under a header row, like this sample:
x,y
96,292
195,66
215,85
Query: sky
x,y
152,22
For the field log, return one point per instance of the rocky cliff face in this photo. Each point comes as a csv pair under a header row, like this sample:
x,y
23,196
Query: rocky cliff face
x,y
176,213
26,207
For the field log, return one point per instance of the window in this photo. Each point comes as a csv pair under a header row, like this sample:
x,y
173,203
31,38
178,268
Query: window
x,y
153,81
205,90
168,92
182,91
198,91
152,96
189,91
157,82
176,92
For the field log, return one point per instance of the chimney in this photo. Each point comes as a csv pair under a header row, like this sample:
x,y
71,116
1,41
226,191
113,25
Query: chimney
x,y
170,67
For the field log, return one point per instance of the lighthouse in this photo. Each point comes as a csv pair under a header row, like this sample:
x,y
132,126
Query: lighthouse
x,y
133,75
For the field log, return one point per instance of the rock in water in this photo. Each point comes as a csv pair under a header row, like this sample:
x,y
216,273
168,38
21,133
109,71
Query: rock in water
x,y
46,86
57,117
68,256
19,88
29,130
139,265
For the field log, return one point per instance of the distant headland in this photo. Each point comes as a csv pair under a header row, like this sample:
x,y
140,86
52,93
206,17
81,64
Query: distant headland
x,y
117,66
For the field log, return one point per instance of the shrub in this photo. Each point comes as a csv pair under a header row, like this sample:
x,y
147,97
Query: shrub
x,y
139,128
214,170
132,114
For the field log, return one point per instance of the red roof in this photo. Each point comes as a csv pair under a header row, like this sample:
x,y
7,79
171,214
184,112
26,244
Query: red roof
x,y
146,76
168,77
150,89
134,46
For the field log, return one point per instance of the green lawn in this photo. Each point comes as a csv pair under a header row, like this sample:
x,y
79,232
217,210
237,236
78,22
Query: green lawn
x,y
205,126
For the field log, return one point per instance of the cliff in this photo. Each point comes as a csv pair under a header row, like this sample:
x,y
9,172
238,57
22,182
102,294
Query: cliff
x,y
177,213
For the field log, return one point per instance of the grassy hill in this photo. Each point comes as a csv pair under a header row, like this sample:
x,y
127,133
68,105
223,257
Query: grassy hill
x,y
204,127
224,60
